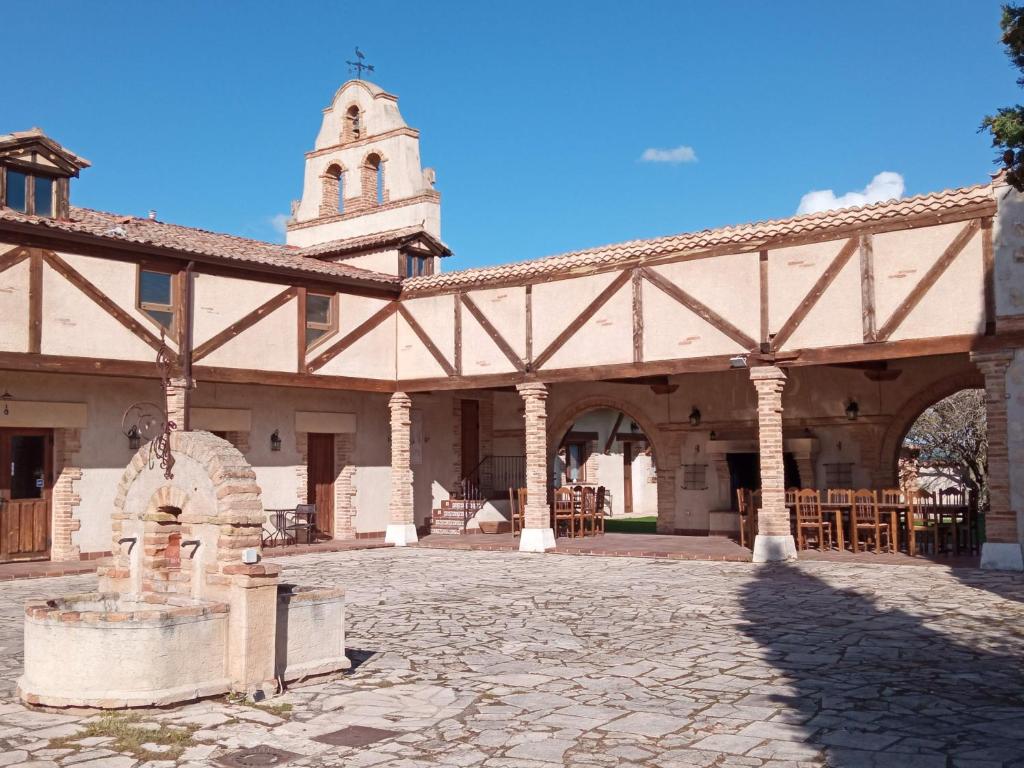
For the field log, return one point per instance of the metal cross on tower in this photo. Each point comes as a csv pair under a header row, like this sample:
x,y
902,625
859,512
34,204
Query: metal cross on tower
x,y
358,64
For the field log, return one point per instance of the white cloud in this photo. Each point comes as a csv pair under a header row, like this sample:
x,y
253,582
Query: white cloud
x,y
676,155
279,221
885,186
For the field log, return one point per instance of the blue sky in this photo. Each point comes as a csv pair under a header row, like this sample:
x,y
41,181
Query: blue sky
x,y
535,114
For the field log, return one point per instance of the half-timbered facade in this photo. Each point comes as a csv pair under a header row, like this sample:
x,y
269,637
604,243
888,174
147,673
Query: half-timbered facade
x,y
353,372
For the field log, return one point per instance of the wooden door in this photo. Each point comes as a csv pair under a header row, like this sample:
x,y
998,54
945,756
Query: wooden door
x,y
627,477
470,410
26,485
320,480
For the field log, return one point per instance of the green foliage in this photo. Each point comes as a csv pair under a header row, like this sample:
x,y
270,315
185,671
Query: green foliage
x,y
1007,125
952,440
631,525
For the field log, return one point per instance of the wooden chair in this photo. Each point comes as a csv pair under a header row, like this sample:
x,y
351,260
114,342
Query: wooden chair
x,y
516,509
599,509
840,496
587,509
810,518
303,519
953,520
867,518
892,496
920,522
563,510
745,504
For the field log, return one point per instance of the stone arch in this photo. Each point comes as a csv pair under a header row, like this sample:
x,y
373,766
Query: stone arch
x,y
353,127
912,408
212,497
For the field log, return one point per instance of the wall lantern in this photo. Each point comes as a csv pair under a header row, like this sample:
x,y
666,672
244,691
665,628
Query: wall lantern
x,y
275,441
6,397
134,437
852,410
738,361
713,435
695,417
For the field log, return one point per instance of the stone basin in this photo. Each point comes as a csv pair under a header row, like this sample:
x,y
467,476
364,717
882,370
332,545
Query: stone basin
x,y
106,650
310,632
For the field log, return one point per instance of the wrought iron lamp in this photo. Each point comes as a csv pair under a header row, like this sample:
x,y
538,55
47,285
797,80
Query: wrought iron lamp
x,y
695,417
275,441
134,437
852,410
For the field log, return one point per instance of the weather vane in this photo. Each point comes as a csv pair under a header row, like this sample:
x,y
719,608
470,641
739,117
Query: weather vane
x,y
358,64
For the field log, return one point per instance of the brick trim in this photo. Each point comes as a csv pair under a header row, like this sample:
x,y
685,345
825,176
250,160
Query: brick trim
x,y
65,500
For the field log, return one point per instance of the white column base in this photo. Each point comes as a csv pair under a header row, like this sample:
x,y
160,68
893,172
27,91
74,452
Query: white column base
x,y
400,534
1002,556
774,549
536,540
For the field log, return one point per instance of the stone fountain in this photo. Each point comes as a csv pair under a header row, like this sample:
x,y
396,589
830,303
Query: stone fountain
x,y
187,608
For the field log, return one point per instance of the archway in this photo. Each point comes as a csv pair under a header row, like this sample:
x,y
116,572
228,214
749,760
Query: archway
x,y
603,442
911,410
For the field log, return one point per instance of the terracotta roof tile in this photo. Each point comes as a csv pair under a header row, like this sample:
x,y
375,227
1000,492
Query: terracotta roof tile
x,y
189,240
741,235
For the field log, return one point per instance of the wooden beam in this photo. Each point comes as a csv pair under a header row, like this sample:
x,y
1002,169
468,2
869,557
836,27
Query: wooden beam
x,y
867,286
353,336
427,341
589,311
928,280
702,311
611,436
496,337
457,308
820,286
529,327
35,302
65,270
246,322
13,257
988,267
638,316
302,349
766,342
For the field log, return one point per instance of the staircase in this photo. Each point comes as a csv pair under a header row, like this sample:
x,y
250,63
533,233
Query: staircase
x,y
451,518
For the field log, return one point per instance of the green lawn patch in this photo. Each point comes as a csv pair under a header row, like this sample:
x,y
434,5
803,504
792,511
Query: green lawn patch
x,y
631,525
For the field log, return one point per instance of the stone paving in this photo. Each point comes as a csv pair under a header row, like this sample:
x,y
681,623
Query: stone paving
x,y
505,660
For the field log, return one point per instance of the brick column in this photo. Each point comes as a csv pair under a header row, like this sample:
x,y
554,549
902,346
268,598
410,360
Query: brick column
x,y
1002,547
537,535
402,526
178,397
774,540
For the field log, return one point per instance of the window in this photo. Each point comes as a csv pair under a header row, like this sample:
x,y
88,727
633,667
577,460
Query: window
x,y
320,317
418,265
16,196
695,477
156,296
43,196
839,475
575,462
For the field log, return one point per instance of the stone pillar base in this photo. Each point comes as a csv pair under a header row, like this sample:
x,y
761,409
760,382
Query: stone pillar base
x,y
997,556
401,534
774,549
536,540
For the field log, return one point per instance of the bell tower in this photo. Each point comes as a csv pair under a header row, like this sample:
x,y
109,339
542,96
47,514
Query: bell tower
x,y
363,176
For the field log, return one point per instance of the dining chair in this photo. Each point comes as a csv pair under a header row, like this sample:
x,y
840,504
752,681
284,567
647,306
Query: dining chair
x,y
563,510
892,495
521,499
516,512
810,518
744,504
304,520
951,518
920,522
599,502
867,518
840,496
587,507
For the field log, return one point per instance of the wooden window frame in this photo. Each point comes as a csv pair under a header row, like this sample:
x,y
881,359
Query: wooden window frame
x,y
425,265
330,328
56,201
145,306
695,477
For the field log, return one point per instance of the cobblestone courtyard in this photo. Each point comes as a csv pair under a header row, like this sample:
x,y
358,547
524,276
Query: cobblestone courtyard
x,y
500,659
